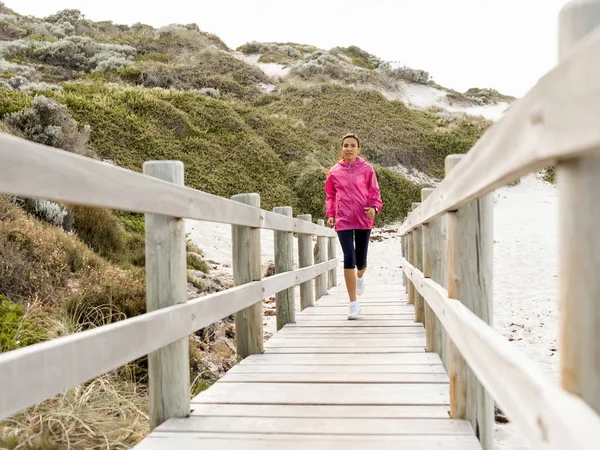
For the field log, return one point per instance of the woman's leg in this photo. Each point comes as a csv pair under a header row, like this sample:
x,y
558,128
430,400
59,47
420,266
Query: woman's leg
x,y
346,238
362,246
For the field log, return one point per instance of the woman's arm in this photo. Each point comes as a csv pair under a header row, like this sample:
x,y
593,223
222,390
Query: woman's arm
x,y
374,192
330,196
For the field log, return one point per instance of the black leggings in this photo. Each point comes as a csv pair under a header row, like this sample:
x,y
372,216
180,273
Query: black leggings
x,y
354,258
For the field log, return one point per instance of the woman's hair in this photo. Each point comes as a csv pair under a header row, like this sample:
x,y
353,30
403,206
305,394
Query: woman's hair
x,y
350,135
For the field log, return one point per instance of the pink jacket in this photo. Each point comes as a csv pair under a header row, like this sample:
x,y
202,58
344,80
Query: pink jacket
x,y
349,189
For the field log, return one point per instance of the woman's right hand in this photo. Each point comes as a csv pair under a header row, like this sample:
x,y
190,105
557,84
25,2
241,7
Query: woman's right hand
x,y
331,222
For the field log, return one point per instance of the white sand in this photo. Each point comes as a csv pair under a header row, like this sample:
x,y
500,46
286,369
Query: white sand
x,y
421,97
525,273
272,69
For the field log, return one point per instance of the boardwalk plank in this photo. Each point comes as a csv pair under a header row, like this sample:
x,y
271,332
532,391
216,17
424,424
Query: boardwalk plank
x,y
334,378
327,382
194,441
326,394
318,411
347,360
330,426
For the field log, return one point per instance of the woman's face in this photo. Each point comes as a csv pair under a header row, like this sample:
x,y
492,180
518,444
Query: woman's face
x,y
350,149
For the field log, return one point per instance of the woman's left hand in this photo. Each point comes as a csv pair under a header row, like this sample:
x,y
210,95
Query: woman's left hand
x,y
370,212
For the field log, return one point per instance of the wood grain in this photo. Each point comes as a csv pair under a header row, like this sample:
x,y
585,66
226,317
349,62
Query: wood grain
x,y
305,259
257,441
29,169
320,256
579,241
166,285
285,304
247,268
330,394
70,360
546,415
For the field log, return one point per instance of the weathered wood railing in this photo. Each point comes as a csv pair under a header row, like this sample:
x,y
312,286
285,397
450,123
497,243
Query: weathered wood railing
x,y
38,372
447,246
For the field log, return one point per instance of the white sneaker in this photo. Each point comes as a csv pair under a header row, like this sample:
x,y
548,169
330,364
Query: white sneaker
x,y
354,311
360,286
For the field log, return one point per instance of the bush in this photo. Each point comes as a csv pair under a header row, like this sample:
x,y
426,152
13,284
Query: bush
x,y
12,101
195,262
49,212
50,123
107,296
101,230
359,57
71,52
15,330
38,259
9,29
410,75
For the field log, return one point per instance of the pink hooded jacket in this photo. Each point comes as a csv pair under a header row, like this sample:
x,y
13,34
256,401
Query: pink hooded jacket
x,y
349,189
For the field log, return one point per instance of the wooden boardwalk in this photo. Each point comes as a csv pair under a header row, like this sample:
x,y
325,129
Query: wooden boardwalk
x,y
325,381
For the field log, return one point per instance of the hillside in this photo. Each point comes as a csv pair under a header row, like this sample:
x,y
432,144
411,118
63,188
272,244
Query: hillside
x,y
266,117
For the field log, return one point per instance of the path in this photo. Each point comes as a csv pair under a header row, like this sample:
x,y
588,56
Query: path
x,y
329,381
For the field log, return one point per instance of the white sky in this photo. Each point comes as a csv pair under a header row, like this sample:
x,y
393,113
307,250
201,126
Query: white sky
x,y
503,44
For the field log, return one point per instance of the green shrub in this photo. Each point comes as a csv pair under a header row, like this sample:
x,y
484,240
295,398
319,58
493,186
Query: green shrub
x,y
359,57
50,123
13,101
15,330
550,174
195,262
107,296
221,153
101,230
133,222
397,194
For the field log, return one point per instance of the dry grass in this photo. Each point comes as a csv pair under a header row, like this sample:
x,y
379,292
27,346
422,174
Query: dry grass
x,y
104,413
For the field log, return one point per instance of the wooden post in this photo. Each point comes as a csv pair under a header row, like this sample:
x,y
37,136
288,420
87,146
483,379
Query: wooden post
x,y
331,254
166,285
285,304
320,257
305,259
409,255
403,240
469,268
247,268
578,183
417,262
430,322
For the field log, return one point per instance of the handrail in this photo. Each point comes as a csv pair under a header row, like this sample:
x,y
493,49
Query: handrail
x,y
557,119
35,170
555,123
37,372
546,414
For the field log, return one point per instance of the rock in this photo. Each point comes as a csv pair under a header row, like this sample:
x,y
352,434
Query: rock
x,y
222,348
192,291
499,415
268,270
210,283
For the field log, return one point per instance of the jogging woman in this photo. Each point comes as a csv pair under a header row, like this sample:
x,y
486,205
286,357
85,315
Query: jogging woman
x,y
353,199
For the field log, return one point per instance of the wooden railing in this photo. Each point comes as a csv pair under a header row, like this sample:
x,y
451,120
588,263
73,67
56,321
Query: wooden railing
x,y
447,246
38,372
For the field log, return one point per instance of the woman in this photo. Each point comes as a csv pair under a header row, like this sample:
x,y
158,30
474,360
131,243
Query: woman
x,y
353,198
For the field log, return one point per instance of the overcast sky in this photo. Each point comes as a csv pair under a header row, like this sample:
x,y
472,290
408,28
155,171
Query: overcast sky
x,y
503,44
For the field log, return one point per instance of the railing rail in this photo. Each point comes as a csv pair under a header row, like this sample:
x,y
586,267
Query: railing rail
x,y
38,171
555,123
40,371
